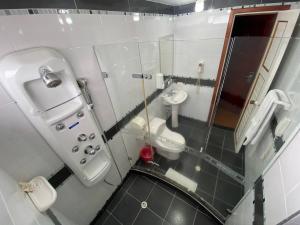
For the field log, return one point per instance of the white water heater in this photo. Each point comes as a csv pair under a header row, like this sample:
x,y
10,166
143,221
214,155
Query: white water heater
x,y
43,85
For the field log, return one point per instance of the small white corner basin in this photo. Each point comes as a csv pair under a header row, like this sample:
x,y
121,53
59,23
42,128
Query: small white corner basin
x,y
174,97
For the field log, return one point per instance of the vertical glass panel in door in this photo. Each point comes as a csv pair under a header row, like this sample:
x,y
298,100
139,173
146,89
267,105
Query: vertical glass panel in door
x,y
121,68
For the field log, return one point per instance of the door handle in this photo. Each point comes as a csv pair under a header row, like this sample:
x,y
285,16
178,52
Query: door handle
x,y
249,76
253,102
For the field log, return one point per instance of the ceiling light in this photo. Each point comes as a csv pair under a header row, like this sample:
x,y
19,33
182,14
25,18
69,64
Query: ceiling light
x,y
136,16
199,6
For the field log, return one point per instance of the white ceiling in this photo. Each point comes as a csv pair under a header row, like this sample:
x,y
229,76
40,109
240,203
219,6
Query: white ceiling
x,y
173,2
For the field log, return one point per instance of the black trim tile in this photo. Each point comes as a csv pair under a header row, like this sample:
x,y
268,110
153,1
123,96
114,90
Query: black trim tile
x,y
17,4
110,5
144,6
58,178
258,202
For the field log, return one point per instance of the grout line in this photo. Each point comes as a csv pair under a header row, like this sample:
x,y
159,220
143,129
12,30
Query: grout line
x,y
110,214
136,216
217,178
144,200
169,207
195,216
123,196
75,4
117,219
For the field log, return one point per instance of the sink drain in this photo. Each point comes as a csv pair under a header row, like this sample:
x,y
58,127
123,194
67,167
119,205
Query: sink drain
x,y
144,205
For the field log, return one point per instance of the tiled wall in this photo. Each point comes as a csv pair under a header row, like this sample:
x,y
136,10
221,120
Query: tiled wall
x,y
24,153
198,37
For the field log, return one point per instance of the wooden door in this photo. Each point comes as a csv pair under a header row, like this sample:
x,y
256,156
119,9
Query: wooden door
x,y
282,31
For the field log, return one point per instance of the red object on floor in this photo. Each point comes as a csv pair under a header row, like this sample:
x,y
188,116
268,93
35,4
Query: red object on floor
x,y
147,153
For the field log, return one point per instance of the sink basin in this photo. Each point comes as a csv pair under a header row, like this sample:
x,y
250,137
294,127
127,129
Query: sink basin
x,y
174,98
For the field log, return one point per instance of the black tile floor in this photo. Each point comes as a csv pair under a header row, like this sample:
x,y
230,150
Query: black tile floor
x,y
218,189
165,205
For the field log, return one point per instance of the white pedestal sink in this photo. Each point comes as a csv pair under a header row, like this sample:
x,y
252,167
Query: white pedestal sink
x,y
174,98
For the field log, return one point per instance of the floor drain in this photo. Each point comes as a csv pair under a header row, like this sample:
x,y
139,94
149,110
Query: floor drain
x,y
197,168
144,205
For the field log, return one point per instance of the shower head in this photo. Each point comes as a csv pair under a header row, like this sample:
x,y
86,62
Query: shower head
x,y
49,78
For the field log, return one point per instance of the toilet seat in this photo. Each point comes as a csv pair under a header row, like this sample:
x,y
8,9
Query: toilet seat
x,y
170,141
164,138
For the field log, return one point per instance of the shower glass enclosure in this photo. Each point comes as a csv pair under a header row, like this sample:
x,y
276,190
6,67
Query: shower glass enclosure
x,y
209,168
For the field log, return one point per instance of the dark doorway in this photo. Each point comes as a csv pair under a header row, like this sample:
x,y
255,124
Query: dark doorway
x,y
249,39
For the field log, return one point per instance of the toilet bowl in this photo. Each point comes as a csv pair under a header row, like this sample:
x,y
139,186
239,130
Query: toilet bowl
x,y
169,144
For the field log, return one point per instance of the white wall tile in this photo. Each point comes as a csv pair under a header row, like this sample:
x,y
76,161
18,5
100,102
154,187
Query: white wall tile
x,y
79,203
198,102
293,200
201,25
289,161
85,65
24,153
274,205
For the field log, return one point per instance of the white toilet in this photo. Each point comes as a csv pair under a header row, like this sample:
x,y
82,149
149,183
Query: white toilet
x,y
169,144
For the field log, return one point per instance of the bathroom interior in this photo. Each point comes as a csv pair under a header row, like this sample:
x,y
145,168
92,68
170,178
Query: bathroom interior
x,y
170,112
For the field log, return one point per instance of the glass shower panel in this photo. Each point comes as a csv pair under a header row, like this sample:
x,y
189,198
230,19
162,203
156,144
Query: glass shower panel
x,y
181,157
121,68
253,67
